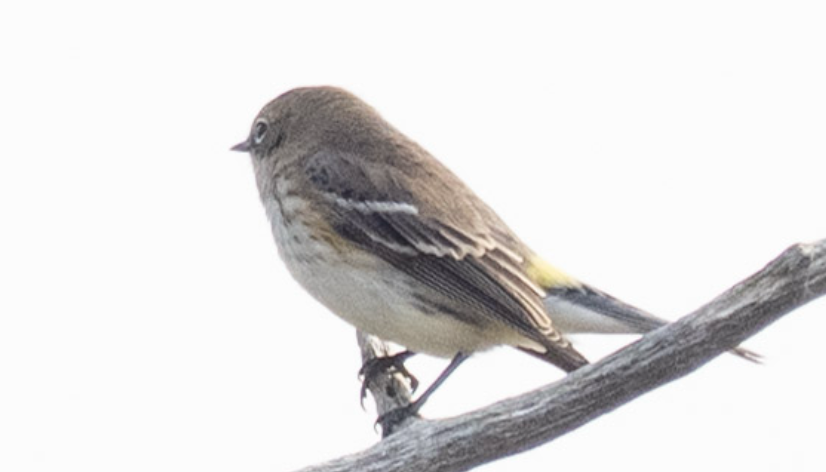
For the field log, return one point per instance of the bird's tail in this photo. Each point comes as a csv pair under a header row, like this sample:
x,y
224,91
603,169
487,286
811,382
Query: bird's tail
x,y
582,309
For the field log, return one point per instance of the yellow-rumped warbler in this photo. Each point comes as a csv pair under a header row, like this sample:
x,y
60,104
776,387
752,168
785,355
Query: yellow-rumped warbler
x,y
393,242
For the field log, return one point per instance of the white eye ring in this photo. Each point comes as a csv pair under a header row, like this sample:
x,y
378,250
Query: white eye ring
x,y
259,132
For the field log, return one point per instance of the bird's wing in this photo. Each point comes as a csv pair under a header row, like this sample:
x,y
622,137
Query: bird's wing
x,y
450,246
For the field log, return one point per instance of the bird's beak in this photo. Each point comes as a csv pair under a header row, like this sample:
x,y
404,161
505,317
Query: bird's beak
x,y
243,146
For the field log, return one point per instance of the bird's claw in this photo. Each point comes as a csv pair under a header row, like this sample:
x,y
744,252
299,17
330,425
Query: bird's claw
x,y
385,365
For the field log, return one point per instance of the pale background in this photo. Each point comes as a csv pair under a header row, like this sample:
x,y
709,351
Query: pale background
x,y
661,152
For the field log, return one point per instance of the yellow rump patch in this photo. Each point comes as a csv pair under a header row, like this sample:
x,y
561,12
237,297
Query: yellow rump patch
x,y
548,276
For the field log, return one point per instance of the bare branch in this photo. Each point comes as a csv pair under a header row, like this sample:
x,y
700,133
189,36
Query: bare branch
x,y
456,444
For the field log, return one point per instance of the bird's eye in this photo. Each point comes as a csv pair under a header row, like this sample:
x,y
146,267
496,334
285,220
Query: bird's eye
x,y
259,132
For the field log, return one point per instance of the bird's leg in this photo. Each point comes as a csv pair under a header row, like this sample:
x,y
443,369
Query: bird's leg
x,y
390,420
386,365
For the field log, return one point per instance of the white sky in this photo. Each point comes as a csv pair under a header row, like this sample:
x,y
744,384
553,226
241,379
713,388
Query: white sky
x,y
659,152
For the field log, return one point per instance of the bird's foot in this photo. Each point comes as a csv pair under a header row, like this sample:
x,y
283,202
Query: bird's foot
x,y
386,365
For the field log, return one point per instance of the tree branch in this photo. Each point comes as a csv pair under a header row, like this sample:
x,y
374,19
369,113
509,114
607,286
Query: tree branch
x,y
514,425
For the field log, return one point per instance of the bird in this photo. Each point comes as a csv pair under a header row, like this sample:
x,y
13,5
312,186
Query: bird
x,y
385,236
